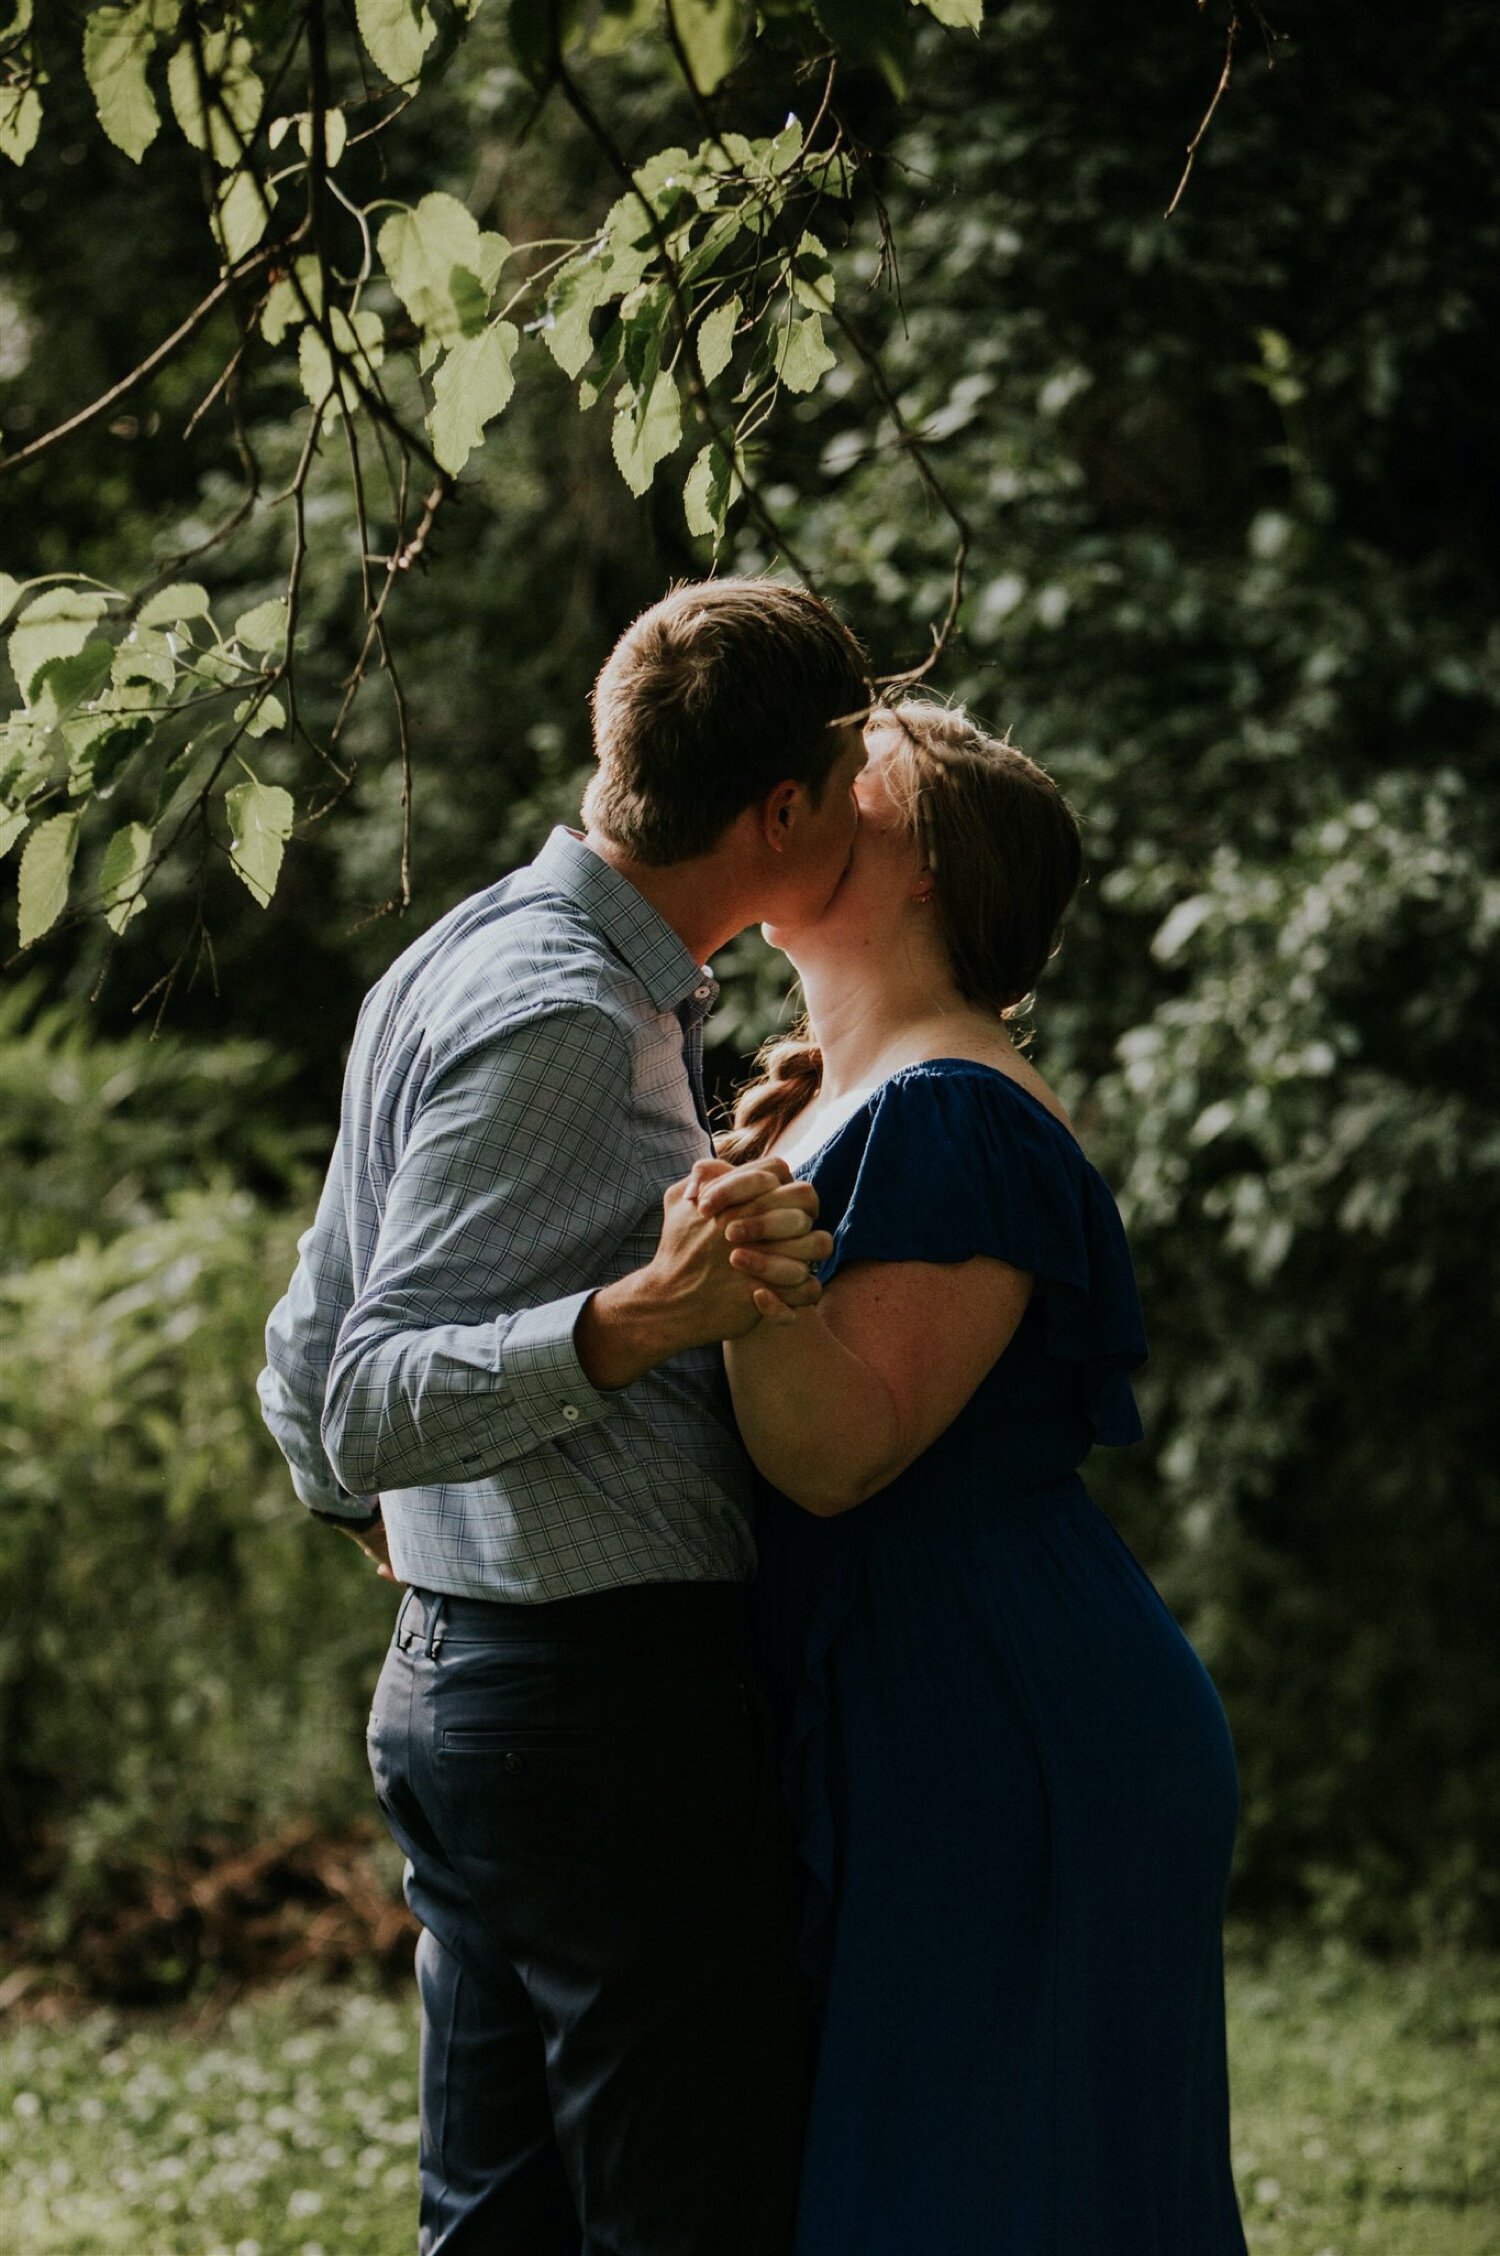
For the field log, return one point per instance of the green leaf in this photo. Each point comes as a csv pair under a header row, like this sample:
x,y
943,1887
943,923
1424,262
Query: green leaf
x,y
46,867
241,215
316,368
469,390
235,95
264,627
597,276
54,624
65,684
713,485
361,341
260,821
786,148
120,875
100,744
958,15
335,133
397,34
261,719
876,33
20,121
13,821
25,757
284,307
812,279
174,605
442,266
646,431
118,43
716,339
711,33
805,356
146,656
664,179
645,320
10,588
580,287
606,365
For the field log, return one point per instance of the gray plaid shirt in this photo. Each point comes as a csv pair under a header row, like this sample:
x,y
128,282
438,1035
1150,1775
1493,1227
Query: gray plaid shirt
x,y
524,1084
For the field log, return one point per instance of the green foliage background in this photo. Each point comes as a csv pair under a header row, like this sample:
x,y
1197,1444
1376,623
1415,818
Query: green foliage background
x,y
1232,481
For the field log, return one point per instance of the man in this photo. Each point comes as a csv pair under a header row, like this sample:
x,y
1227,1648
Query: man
x,y
498,1365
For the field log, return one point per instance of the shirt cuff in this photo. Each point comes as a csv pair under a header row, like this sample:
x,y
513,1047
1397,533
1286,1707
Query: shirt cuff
x,y
326,1500
541,1363
360,1524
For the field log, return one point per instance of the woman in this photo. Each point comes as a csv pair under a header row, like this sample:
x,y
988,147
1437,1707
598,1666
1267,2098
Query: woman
x,y
1011,1778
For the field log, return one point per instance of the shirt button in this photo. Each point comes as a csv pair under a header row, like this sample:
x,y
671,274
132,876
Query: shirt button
x,y
570,1412
701,994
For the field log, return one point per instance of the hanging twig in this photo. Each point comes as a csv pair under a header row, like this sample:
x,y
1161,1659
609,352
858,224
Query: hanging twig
x,y
255,262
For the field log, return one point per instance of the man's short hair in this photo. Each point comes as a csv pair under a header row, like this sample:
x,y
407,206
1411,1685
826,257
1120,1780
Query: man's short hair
x,y
714,696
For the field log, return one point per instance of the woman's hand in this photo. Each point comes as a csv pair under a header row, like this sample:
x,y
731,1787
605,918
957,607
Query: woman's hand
x,y
767,1220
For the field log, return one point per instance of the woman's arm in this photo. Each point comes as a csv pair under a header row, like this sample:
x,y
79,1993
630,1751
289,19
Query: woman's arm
x,y
834,1401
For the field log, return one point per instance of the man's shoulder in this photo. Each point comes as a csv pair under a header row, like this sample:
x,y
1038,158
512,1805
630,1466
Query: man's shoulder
x,y
516,952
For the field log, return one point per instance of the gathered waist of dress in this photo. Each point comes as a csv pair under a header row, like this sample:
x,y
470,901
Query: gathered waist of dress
x,y
1009,1461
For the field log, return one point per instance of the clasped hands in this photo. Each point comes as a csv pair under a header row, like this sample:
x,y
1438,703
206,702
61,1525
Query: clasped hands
x,y
738,1248
753,1229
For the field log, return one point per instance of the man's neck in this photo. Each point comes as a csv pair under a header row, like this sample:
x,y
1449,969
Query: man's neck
x,y
694,898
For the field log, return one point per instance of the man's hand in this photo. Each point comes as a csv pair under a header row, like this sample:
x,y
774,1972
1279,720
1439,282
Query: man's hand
x,y
372,1541
698,1288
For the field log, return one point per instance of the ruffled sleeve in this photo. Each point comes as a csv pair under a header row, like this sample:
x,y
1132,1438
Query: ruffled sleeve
x,y
955,1161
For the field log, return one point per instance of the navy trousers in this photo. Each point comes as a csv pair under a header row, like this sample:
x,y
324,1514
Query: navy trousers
x,y
613,2029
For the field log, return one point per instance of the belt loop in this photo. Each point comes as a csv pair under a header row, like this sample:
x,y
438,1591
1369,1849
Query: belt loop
x,y
435,1627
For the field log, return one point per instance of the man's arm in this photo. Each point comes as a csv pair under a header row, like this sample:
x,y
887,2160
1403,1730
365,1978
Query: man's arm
x,y
459,1354
299,1347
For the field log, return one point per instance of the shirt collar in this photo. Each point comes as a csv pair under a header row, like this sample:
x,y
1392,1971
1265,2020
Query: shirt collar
x,y
625,919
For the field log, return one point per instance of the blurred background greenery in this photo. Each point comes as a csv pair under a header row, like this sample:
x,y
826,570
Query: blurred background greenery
x,y
1233,482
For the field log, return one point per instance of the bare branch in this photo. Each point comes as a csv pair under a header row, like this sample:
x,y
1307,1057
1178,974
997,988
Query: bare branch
x,y
1219,92
255,262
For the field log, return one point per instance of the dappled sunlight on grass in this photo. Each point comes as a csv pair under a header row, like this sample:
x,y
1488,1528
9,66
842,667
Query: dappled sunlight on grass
x,y
1367,2119
289,2131
1366,2104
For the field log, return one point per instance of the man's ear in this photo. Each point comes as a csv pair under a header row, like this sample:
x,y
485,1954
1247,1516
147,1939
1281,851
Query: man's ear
x,y
778,814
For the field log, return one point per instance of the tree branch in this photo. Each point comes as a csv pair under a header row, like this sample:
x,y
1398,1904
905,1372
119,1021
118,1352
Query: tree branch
x,y
254,262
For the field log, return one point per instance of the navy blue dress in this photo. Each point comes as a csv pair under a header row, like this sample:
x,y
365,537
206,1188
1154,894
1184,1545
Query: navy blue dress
x,y
1010,1775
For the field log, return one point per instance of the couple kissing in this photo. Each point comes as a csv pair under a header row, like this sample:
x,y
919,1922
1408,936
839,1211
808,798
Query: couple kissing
x,y
817,1824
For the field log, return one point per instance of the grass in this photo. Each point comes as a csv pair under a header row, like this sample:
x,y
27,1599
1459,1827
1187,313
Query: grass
x,y
1367,2119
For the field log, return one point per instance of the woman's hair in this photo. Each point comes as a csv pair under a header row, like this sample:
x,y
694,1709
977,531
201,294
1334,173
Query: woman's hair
x,y
714,696
1003,848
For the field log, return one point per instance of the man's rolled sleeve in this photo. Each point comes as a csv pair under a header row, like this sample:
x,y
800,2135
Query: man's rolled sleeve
x,y
447,1367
